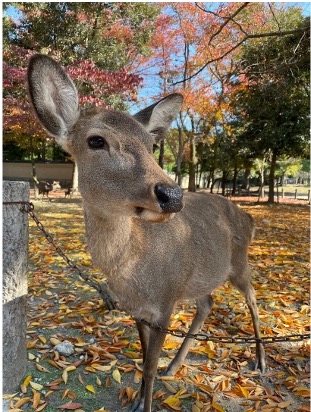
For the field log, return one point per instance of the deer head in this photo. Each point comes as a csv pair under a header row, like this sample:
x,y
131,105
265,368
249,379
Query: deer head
x,y
112,149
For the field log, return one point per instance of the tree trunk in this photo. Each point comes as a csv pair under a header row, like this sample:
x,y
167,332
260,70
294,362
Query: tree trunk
x,y
271,178
75,179
192,166
223,183
35,179
43,151
246,176
161,155
211,179
235,176
261,183
179,157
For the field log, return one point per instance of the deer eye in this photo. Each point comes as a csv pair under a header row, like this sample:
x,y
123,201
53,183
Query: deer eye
x,y
155,147
97,143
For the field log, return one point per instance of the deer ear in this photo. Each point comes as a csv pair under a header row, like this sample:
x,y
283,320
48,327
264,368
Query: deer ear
x,y
158,117
53,95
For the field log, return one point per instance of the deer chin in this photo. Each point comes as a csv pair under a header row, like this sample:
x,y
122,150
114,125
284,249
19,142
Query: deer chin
x,y
154,217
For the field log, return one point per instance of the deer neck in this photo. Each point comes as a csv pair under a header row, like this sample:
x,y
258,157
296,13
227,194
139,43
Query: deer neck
x,y
113,241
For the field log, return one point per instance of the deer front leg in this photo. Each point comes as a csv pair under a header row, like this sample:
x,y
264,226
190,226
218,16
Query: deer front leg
x,y
204,306
152,342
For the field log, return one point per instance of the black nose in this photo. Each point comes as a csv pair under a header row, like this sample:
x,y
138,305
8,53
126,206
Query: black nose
x,y
170,198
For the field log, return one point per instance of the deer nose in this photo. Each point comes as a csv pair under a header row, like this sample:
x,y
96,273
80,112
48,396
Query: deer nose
x,y
170,198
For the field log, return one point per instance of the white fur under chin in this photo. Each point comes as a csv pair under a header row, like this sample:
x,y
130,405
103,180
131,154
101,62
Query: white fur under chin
x,y
155,217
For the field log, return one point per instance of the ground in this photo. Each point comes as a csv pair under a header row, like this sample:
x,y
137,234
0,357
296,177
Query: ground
x,y
104,371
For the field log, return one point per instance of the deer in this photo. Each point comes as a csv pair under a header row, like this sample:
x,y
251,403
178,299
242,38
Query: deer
x,y
45,188
155,244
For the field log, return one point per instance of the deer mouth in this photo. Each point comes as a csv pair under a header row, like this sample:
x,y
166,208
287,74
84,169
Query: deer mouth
x,y
153,216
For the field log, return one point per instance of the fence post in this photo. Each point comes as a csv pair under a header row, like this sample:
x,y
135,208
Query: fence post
x,y
14,288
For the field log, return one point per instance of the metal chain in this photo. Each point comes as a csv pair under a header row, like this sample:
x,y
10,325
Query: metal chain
x,y
101,288
201,336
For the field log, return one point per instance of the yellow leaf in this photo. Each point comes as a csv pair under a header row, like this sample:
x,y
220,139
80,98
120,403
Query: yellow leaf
x,y
245,392
70,368
90,369
116,375
217,406
90,388
102,368
98,381
65,376
27,380
43,339
302,391
36,386
173,403
54,341
31,356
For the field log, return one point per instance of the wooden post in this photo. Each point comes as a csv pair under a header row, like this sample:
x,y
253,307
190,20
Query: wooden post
x,y
295,193
14,292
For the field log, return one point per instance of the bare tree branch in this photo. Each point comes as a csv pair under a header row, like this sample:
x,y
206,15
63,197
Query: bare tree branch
x,y
227,20
274,16
245,38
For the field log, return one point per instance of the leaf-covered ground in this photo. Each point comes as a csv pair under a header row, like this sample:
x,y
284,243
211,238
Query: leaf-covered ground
x,y
105,370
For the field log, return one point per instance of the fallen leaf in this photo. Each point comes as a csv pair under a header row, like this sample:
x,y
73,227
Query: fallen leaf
x,y
116,375
70,406
90,388
41,368
36,386
36,400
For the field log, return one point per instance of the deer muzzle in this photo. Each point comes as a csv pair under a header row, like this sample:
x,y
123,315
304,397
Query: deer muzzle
x,y
169,198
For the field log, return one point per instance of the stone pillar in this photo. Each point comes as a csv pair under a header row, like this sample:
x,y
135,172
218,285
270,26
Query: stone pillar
x,y
14,289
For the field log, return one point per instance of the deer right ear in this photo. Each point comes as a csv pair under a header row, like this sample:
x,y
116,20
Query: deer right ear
x,y
53,95
158,117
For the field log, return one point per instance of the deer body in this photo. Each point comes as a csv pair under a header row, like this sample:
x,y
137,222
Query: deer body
x,y
154,245
134,254
45,188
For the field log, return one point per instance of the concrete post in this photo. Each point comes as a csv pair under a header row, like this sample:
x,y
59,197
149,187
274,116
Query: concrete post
x,y
14,289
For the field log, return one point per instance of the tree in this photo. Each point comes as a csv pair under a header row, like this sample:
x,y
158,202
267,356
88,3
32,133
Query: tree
x,y
274,104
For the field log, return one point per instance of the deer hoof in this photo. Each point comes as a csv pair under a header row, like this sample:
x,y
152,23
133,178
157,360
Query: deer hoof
x,y
260,359
138,406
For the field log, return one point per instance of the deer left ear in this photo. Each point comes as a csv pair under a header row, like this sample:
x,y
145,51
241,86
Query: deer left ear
x,y
53,95
158,117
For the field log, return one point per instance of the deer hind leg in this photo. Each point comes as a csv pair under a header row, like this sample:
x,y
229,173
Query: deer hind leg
x,y
243,284
204,306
